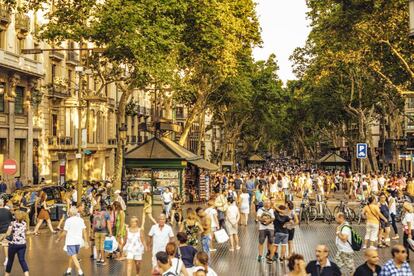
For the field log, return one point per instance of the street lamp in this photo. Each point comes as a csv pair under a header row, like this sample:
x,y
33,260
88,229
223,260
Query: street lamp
x,y
411,9
79,70
122,131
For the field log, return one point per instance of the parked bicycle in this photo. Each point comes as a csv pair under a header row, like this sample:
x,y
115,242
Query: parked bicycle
x,y
346,210
306,210
322,212
358,213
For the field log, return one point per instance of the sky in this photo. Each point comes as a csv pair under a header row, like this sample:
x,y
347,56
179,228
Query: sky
x,y
284,27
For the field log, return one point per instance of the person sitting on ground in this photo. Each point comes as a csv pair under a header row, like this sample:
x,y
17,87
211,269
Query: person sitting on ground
x,y
371,264
322,266
398,265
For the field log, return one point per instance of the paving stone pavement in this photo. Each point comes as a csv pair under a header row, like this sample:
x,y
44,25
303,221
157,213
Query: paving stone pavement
x,y
45,257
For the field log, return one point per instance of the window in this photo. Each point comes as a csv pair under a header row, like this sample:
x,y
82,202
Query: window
x,y
36,56
70,74
53,73
54,124
18,103
410,102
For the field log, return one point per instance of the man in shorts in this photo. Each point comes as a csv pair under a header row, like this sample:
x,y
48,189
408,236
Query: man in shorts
x,y
265,217
75,232
100,222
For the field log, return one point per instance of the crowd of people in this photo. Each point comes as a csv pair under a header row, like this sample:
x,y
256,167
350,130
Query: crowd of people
x,y
262,196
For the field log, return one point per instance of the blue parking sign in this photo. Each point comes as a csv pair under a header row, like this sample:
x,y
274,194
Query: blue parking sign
x,y
362,150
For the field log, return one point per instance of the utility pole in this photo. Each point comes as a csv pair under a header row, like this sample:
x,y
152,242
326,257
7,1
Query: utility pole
x,y
80,155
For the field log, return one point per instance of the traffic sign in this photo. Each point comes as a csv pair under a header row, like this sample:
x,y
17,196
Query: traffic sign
x,y
10,167
362,150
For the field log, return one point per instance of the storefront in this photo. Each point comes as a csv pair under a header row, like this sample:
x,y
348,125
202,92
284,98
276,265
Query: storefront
x,y
160,163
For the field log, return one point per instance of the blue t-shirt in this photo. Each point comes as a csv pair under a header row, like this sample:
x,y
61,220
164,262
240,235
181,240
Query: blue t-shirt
x,y
250,185
187,255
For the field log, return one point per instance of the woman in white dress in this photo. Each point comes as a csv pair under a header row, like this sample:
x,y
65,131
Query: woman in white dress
x,y
134,246
244,207
273,186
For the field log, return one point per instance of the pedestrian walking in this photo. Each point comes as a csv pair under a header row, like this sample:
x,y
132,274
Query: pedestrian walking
x,y
373,217
134,246
118,198
43,215
177,264
296,265
18,183
232,223
167,200
201,265
3,186
281,233
265,217
147,210
244,207
397,266
76,236
191,226
370,267
17,244
294,221
322,266
385,229
345,255
408,226
5,219
176,211
120,227
205,222
213,214
163,264
186,251
392,202
67,204
101,228
159,235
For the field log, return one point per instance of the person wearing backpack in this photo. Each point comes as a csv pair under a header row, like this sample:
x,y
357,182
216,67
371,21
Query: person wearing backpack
x,y
345,256
100,222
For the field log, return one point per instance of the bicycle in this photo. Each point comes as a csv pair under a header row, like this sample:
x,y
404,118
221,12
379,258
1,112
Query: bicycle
x,y
343,208
322,211
306,210
358,214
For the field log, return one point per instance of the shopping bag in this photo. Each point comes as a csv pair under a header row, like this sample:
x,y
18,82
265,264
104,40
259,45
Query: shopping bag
x,y
221,236
110,244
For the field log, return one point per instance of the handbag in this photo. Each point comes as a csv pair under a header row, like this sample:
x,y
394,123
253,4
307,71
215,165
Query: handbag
x,y
221,236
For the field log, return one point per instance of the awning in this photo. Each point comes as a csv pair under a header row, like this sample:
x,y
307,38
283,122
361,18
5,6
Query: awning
x,y
204,164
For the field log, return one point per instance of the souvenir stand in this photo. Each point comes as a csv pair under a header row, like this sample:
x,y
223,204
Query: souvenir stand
x,y
157,164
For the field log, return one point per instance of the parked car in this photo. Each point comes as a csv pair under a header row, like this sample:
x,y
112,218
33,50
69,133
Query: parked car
x,y
54,195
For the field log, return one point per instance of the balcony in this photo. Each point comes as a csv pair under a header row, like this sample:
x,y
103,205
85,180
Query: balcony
x,y
22,25
21,64
72,58
61,143
4,17
57,56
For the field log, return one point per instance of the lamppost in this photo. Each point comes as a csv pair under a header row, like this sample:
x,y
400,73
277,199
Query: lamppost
x,y
122,131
